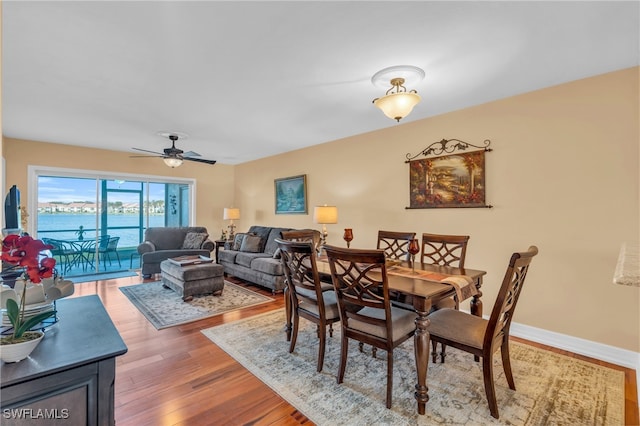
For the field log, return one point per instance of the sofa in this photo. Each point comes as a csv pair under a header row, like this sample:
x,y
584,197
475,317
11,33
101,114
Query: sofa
x,y
162,243
254,257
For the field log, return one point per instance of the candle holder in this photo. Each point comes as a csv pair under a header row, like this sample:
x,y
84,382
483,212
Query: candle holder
x,y
414,248
348,236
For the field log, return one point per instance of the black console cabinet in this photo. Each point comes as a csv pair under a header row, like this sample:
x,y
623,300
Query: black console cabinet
x,y
69,378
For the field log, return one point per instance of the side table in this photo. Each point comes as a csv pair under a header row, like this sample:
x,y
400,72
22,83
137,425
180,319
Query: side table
x,y
219,243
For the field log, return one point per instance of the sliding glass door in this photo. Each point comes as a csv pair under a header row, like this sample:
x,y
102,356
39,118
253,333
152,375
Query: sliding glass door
x,y
99,222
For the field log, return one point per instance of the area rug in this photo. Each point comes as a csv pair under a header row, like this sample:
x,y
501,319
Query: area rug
x,y
105,276
164,308
551,388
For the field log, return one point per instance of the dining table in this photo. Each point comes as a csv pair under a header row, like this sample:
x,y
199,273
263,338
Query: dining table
x,y
426,284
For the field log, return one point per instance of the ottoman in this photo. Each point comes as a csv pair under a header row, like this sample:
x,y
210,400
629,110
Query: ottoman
x,y
187,280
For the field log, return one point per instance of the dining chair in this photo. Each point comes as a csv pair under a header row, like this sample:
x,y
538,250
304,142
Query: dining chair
x,y
444,250
362,289
303,235
308,300
395,244
482,337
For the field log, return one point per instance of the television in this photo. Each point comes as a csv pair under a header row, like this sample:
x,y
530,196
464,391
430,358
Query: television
x,y
12,217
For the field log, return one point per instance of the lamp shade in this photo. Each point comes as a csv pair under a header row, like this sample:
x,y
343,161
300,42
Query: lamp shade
x,y
173,162
397,105
231,213
325,214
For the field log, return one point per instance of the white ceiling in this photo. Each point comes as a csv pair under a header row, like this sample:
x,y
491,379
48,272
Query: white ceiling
x,y
246,80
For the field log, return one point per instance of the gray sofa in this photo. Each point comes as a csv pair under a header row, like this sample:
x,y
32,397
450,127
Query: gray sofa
x,y
162,243
261,265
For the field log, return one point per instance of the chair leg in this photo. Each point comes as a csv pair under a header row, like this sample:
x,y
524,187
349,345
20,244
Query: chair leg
x,y
389,376
434,354
343,357
323,342
506,364
118,257
361,346
489,387
294,333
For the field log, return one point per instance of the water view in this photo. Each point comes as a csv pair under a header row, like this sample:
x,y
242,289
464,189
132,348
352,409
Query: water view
x,y
65,226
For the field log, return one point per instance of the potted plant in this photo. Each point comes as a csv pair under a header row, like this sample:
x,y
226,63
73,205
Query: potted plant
x,y
24,252
80,233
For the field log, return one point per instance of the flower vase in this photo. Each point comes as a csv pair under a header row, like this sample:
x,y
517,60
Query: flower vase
x,y
16,352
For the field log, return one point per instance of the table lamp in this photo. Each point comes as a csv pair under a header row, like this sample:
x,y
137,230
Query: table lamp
x,y
231,214
324,215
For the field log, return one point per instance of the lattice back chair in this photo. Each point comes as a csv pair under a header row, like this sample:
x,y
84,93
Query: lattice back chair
x,y
444,250
395,244
308,300
482,337
303,235
360,281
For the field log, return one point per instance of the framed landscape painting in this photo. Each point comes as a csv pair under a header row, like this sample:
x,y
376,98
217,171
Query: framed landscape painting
x,y
291,195
449,181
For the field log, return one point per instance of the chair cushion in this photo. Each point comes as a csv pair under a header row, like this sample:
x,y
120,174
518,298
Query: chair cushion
x,y
330,305
194,240
403,322
463,327
251,244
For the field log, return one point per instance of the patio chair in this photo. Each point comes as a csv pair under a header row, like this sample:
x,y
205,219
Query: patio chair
x,y
106,248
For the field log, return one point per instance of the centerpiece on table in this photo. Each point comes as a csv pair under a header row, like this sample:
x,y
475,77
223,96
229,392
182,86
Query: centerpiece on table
x,y
25,252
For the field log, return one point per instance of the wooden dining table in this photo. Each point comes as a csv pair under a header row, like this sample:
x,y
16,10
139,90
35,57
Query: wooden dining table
x,y
425,288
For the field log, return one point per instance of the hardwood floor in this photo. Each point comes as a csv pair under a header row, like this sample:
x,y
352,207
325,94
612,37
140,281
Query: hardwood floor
x,y
177,376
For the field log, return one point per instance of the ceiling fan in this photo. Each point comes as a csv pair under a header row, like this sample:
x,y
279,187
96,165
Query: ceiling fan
x,y
173,157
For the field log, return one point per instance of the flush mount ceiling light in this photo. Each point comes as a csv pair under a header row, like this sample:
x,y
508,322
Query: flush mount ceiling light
x,y
397,103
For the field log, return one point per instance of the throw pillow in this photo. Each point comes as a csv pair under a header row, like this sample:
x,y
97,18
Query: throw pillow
x,y
194,240
237,241
251,244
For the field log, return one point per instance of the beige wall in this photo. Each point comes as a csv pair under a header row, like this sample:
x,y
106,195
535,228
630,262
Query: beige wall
x,y
214,187
564,175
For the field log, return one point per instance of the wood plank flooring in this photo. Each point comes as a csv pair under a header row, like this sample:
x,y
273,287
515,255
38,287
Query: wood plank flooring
x,y
177,376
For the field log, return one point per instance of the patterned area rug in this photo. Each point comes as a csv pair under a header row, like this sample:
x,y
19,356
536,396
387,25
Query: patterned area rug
x,y
164,308
551,388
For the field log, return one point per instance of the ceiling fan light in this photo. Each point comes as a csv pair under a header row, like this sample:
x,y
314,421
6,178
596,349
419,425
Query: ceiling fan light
x,y
397,105
173,162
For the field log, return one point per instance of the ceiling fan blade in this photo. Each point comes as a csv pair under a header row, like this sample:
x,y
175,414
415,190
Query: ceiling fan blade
x,y
146,150
146,156
199,160
191,154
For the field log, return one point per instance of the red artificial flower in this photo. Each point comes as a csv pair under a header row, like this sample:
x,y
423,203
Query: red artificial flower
x,y
25,252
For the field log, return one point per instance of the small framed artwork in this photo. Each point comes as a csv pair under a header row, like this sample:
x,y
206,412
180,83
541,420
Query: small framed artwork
x,y
291,195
